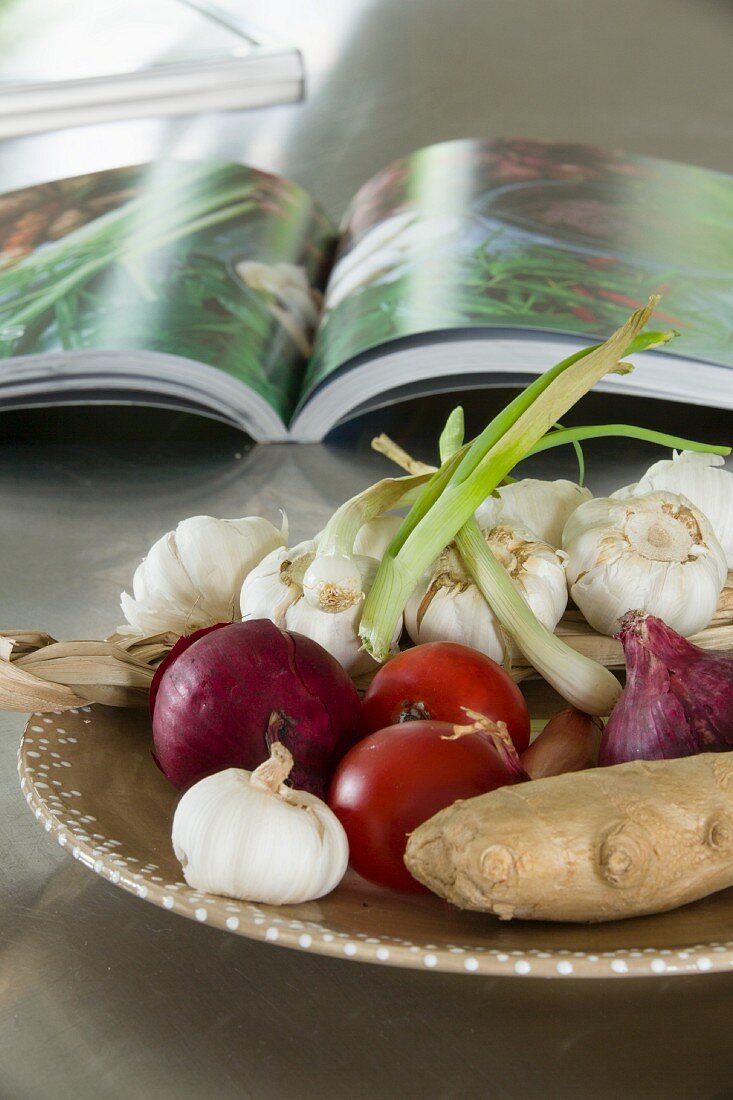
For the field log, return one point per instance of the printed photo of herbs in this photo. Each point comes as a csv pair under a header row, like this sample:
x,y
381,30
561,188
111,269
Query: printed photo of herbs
x,y
565,238
216,263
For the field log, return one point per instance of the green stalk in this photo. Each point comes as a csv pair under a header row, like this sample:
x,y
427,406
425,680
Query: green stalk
x,y
427,498
584,683
451,438
478,474
498,426
493,432
342,528
627,431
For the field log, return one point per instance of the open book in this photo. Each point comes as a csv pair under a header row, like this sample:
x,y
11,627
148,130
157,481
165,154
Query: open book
x,y
222,290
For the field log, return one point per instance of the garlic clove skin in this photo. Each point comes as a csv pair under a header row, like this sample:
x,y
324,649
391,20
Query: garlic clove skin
x,y
449,607
703,480
274,590
375,535
238,840
192,576
541,507
334,582
455,614
276,583
654,553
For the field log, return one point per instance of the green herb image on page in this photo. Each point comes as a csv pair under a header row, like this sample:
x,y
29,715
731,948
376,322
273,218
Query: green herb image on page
x,y
193,260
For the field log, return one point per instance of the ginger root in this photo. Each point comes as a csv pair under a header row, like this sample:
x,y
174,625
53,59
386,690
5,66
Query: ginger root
x,y
599,845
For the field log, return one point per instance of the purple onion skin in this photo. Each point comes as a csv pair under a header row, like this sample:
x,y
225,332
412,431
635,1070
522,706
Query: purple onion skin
x,y
225,692
678,699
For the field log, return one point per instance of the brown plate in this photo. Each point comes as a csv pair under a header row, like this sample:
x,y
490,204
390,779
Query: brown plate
x,y
90,780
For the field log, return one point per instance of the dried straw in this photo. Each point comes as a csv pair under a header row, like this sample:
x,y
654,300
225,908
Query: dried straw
x,y
38,674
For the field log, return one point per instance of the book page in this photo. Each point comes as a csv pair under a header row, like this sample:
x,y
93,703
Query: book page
x,y
526,235
215,263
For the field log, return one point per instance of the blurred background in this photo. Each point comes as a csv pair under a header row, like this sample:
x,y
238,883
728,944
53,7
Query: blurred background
x,y
383,77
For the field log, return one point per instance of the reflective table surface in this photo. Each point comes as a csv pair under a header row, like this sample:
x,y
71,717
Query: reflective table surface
x,y
103,996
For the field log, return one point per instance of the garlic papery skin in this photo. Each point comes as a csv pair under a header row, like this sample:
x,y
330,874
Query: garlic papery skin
x,y
374,537
245,835
542,507
192,576
654,553
334,582
448,606
701,478
274,590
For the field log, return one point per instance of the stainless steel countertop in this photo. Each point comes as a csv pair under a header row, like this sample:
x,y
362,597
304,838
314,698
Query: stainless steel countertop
x,y
104,996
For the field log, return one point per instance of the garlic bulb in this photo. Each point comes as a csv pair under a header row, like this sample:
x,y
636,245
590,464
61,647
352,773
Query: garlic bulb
x,y
654,553
542,507
191,577
698,477
334,581
375,536
274,590
449,607
245,835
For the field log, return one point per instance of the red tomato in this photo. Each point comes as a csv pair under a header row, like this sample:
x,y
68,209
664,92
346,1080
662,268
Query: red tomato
x,y
392,781
437,680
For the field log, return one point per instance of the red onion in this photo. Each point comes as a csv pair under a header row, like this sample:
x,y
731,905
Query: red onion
x,y
678,698
225,693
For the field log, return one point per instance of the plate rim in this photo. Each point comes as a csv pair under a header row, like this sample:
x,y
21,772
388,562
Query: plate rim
x,y
248,919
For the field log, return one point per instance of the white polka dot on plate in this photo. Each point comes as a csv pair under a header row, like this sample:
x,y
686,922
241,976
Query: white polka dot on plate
x,y
167,900
305,940
232,923
382,954
619,966
430,961
349,949
470,963
703,963
271,933
658,966
564,967
522,966
201,914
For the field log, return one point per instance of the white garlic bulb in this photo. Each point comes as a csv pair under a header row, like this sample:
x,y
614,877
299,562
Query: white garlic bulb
x,y
192,577
654,553
374,537
700,478
245,835
542,507
274,590
448,606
